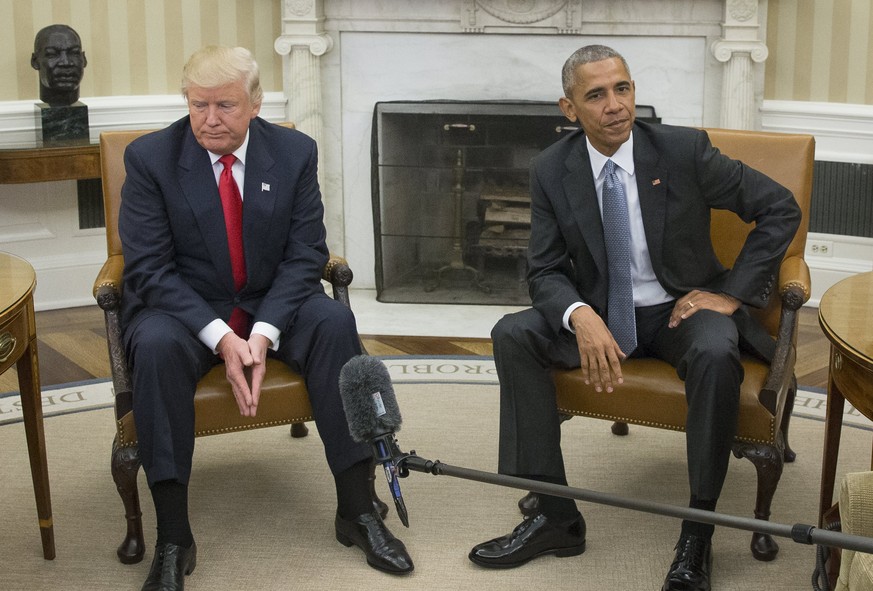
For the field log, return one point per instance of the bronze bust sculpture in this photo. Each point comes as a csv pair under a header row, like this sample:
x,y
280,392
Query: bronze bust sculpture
x,y
58,55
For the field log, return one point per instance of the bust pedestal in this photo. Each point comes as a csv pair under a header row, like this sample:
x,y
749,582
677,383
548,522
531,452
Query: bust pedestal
x,y
62,123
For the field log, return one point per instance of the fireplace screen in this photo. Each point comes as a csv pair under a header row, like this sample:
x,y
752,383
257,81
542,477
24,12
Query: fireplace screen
x,y
451,204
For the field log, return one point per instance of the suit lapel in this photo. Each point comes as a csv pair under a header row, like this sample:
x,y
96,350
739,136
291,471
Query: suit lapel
x,y
652,182
581,196
197,179
261,192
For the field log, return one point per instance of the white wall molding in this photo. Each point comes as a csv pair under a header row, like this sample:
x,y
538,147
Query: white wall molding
x,y
843,132
18,118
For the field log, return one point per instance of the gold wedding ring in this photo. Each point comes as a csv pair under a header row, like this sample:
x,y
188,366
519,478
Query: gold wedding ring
x,y
691,304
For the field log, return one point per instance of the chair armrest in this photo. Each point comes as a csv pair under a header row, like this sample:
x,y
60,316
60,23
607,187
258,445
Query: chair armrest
x,y
795,285
107,292
338,273
794,290
107,286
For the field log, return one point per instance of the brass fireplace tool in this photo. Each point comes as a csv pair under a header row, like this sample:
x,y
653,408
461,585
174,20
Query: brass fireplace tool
x,y
456,263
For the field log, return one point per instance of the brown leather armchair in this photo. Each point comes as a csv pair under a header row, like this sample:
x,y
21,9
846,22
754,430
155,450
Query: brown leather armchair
x,y
652,394
284,398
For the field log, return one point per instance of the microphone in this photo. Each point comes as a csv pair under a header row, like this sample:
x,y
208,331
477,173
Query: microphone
x,y
373,416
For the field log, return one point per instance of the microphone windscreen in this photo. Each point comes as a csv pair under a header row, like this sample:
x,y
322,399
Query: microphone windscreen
x,y
368,398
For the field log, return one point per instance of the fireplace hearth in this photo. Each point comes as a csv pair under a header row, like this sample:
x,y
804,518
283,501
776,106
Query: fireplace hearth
x,y
451,207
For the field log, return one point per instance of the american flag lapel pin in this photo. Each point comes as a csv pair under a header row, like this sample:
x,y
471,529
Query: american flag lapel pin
x,y
656,182
265,186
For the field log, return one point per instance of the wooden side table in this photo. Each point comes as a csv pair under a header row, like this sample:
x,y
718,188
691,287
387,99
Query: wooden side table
x,y
39,164
18,346
846,318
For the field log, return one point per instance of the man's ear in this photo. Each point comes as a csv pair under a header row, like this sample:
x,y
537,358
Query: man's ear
x,y
567,108
34,62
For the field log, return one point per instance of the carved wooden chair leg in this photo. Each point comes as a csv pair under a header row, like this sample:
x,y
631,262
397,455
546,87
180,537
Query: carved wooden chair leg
x,y
789,453
768,461
299,430
125,466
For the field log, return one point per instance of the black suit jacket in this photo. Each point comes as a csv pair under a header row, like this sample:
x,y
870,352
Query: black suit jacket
x,y
680,178
174,240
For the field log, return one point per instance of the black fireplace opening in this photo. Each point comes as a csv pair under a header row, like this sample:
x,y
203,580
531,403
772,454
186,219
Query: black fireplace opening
x,y
450,194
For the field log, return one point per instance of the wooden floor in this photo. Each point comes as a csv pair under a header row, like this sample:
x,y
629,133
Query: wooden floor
x,y
72,348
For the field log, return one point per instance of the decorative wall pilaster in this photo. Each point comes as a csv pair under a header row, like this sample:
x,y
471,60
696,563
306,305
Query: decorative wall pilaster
x,y
302,42
740,48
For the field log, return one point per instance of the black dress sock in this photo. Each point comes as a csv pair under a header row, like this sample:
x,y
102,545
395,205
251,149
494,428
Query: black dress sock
x,y
557,509
353,496
171,510
696,528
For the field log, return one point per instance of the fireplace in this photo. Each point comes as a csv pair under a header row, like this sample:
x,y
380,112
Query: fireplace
x,y
451,205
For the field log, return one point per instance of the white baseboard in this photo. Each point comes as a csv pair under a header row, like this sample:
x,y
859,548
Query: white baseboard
x,y
65,281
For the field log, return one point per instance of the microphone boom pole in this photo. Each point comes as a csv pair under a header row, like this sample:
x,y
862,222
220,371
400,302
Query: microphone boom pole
x,y
800,533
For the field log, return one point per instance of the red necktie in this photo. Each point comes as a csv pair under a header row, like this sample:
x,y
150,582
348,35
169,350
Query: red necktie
x,y
231,201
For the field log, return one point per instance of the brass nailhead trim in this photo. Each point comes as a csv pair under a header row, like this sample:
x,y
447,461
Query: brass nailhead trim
x,y
594,415
124,443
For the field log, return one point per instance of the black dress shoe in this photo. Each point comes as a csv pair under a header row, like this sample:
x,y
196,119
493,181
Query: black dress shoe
x,y
692,566
169,567
383,550
533,537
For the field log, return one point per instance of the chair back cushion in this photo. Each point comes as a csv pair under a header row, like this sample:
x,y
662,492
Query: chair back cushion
x,y
112,146
787,159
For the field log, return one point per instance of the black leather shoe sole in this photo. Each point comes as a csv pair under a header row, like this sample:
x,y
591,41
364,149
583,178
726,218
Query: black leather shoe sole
x,y
535,536
558,552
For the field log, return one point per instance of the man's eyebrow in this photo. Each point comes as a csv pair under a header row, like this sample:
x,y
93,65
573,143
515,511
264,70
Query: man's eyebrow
x,y
603,88
595,90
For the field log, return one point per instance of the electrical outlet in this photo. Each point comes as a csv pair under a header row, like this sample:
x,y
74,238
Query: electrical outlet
x,y
822,248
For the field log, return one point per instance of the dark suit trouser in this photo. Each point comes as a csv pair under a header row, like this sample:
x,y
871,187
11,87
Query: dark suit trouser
x,y
167,361
703,349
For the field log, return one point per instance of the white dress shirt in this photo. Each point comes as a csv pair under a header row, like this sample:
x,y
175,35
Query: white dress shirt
x,y
647,289
215,330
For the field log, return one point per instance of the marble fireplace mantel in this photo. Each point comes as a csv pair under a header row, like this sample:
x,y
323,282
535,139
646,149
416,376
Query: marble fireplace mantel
x,y
697,61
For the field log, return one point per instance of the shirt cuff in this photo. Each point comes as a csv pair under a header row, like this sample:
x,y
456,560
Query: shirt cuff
x,y
268,330
212,333
566,319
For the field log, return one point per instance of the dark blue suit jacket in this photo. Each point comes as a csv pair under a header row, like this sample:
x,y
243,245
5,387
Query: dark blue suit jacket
x,y
680,178
174,240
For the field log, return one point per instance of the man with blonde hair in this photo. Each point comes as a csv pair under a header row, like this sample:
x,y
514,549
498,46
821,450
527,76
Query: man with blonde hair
x,y
221,224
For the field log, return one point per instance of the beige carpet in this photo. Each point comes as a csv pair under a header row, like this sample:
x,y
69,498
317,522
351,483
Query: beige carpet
x,y
262,507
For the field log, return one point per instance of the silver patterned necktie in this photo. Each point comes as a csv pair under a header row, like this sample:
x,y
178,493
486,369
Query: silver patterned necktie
x,y
616,232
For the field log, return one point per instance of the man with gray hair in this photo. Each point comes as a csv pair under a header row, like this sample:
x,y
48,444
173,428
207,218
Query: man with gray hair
x,y
621,265
221,224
